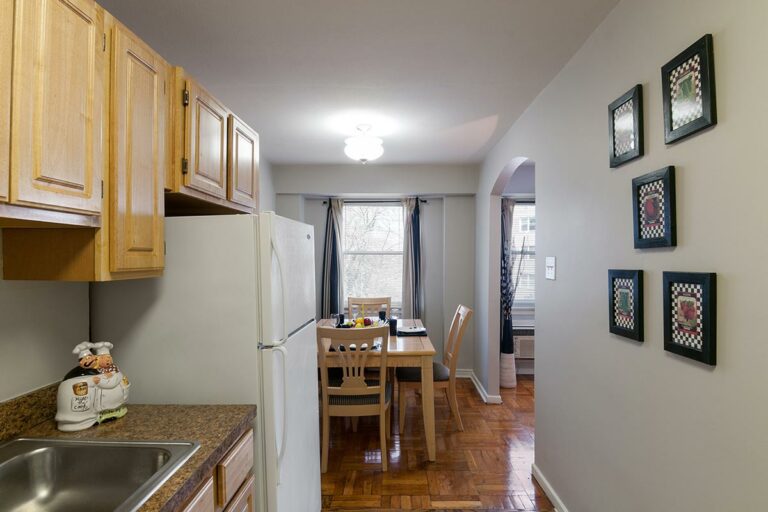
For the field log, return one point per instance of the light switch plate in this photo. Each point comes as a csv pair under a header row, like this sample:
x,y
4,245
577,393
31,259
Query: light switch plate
x,y
549,267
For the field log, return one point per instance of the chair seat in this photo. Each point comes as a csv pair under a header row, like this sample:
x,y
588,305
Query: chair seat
x,y
362,399
440,373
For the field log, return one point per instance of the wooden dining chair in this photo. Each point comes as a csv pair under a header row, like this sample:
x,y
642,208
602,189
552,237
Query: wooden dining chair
x,y
369,306
354,395
444,374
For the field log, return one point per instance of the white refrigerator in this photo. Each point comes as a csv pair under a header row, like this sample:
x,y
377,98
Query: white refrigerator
x,y
232,321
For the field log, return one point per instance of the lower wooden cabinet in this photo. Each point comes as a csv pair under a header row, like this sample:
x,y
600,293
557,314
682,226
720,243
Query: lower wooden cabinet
x,y
245,498
203,500
232,486
233,469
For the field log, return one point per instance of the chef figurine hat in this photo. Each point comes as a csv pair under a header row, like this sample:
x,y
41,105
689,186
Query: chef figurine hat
x,y
103,348
83,349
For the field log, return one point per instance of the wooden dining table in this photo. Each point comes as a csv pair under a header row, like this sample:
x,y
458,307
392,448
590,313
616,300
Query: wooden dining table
x,y
409,352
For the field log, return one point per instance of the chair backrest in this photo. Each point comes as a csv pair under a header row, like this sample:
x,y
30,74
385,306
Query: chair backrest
x,y
368,306
349,349
455,336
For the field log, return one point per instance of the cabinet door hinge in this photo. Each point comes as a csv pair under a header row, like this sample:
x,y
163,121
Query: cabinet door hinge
x,y
184,166
185,98
102,189
104,42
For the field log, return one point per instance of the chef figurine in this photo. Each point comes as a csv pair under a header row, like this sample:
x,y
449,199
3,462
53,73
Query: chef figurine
x,y
76,394
92,392
111,385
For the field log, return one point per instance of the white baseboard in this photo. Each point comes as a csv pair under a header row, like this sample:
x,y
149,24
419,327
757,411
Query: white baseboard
x,y
489,399
548,490
464,373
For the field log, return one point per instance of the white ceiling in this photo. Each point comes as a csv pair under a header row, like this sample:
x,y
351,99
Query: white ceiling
x,y
442,79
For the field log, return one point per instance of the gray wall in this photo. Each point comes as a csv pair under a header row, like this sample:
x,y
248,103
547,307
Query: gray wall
x,y
266,187
621,425
375,180
41,324
459,267
523,181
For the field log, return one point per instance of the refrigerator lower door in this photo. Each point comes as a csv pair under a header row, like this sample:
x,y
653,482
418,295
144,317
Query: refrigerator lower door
x,y
291,426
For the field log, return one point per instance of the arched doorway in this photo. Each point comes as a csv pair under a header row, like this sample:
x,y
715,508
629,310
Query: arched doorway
x,y
498,190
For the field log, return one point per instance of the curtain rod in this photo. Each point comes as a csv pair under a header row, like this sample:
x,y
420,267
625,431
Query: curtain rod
x,y
376,201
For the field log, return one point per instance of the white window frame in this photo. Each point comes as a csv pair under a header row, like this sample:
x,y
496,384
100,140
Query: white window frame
x,y
524,308
396,307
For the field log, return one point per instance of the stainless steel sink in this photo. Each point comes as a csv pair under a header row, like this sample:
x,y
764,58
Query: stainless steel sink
x,y
67,476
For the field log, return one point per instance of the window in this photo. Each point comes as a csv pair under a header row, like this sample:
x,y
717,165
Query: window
x,y
373,251
524,253
527,224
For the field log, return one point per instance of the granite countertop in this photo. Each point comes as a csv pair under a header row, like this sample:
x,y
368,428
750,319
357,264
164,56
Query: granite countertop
x,y
215,427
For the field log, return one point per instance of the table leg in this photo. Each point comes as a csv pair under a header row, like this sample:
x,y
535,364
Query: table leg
x,y
428,405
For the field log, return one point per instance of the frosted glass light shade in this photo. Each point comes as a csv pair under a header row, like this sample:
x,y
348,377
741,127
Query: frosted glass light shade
x,y
363,148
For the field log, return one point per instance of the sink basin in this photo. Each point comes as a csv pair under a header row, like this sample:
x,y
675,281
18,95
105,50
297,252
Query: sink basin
x,y
66,476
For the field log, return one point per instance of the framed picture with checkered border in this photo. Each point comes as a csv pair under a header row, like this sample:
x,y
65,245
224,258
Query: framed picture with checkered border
x,y
653,203
625,303
688,90
690,307
625,127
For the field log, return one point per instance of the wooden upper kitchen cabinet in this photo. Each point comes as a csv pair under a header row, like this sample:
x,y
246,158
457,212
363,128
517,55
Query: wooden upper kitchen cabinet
x,y
242,164
58,105
138,156
130,242
199,180
6,54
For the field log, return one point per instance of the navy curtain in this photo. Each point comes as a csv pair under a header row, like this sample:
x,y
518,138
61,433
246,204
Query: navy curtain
x,y
507,284
332,287
413,292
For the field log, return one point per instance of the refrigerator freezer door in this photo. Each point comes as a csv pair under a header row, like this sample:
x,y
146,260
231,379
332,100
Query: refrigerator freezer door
x,y
287,274
291,427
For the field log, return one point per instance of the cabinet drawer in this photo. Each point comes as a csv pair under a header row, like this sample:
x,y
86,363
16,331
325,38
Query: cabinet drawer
x,y
234,469
203,501
243,501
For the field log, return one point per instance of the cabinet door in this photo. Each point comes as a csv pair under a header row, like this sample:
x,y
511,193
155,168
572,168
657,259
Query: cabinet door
x,y
244,500
242,164
206,138
202,501
6,43
138,145
59,74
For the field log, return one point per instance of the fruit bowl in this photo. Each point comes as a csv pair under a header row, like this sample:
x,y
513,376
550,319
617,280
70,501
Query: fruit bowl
x,y
363,323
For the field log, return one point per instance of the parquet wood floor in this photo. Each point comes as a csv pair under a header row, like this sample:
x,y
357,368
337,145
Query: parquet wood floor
x,y
485,468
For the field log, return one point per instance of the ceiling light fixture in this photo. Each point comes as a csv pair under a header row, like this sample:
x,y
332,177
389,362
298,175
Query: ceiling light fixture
x,y
363,147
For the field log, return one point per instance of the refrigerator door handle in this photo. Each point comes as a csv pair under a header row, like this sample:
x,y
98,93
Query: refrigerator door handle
x,y
282,286
284,434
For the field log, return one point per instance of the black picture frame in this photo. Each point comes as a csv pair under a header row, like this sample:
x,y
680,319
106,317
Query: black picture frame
x,y
629,324
656,224
693,72
690,315
635,96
